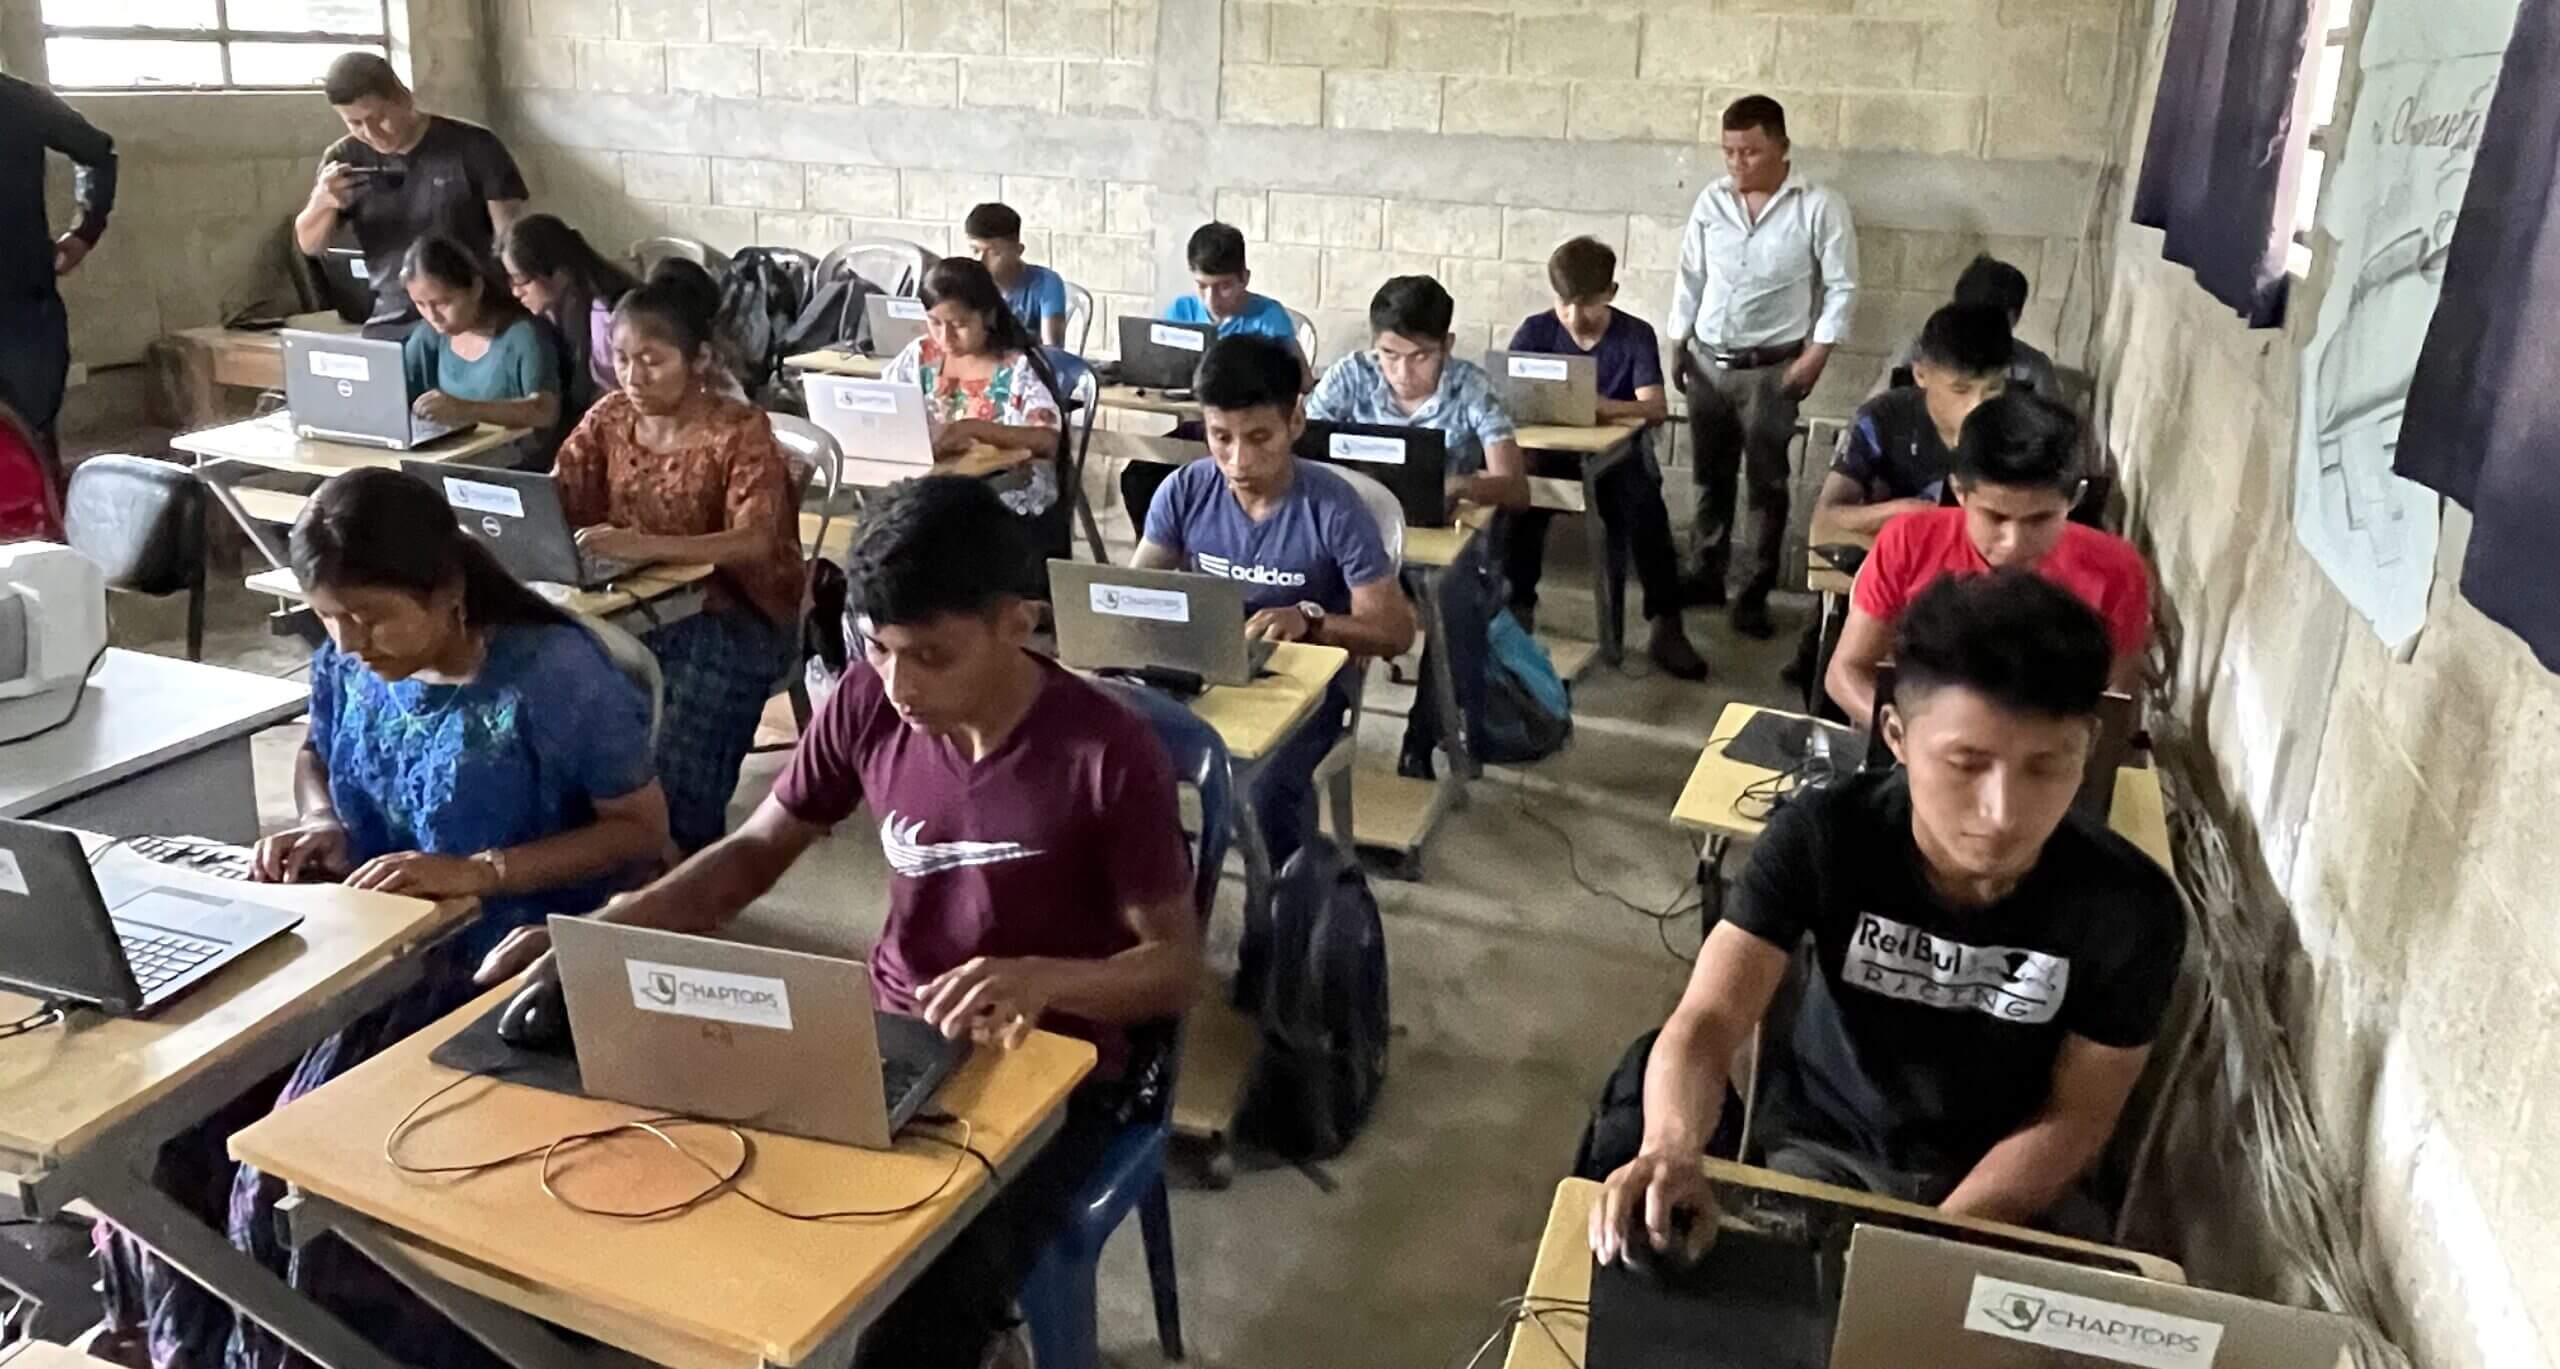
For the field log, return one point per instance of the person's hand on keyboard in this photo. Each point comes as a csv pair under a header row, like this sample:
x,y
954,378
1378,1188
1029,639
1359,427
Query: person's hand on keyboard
x,y
606,540
315,848
420,875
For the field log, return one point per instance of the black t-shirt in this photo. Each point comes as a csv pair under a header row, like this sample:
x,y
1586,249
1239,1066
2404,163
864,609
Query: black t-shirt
x,y
443,185
1892,448
1931,1031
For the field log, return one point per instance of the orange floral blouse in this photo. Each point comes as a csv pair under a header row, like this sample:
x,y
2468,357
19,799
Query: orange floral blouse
x,y
732,475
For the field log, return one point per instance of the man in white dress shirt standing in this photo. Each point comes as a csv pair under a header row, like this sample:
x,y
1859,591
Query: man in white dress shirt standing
x,y
1768,280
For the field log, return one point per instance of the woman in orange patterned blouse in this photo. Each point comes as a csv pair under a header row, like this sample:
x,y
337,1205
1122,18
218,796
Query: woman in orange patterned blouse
x,y
668,468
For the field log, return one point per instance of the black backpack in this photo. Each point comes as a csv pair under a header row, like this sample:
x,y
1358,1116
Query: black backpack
x,y
763,293
1316,978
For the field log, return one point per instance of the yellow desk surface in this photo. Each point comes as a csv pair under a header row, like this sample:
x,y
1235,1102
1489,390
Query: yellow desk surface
x,y
838,362
1256,717
1591,441
727,1284
1819,576
1707,803
1435,548
1563,1269
61,1086
270,442
641,586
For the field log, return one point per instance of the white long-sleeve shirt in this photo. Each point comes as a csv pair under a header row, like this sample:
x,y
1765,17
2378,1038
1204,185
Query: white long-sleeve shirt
x,y
1790,277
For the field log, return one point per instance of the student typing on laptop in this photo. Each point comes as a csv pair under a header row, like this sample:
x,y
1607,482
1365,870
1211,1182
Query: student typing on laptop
x,y
671,467
475,355
1038,873
467,739
986,383
1990,969
1299,537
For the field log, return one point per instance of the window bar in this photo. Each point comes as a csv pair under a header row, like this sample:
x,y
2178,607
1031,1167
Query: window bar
x,y
222,26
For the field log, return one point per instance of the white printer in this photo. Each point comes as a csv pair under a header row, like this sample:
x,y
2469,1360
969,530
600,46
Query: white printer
x,y
53,629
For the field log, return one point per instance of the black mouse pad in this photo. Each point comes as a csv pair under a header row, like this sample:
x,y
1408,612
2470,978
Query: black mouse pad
x,y
476,1049
1753,1303
1783,741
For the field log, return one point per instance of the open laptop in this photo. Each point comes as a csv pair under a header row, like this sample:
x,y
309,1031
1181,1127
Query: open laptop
x,y
891,322
517,516
778,1040
340,387
1159,355
345,282
1411,462
114,939
879,422
1916,1299
1544,387
1120,617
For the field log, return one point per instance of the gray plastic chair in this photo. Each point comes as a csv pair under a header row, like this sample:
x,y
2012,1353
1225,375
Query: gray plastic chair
x,y
648,252
806,442
892,264
1079,318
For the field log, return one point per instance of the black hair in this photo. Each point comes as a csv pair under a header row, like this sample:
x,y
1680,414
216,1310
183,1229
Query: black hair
x,y
1968,339
1757,111
1243,371
445,259
677,304
545,246
934,547
992,223
380,528
1417,307
967,282
1582,267
356,75
2020,440
1989,280
2012,636
1216,249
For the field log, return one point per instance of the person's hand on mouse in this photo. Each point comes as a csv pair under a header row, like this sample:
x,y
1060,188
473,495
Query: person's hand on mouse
x,y
1641,1198
990,1001
313,848
525,948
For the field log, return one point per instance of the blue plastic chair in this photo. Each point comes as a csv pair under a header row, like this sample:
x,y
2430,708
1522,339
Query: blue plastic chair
x,y
1084,396
1058,1296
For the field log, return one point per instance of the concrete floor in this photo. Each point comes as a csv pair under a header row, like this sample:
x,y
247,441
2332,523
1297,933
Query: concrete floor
x,y
1515,990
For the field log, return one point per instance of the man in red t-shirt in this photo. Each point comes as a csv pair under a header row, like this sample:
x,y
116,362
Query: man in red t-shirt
x,y
2014,481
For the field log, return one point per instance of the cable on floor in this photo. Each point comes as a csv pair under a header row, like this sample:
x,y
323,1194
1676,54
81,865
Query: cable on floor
x,y
1532,1311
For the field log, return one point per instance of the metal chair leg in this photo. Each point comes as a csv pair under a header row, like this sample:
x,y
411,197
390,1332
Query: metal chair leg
x,y
195,620
1155,1226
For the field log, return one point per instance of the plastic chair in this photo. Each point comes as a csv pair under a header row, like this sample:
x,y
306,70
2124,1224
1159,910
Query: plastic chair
x,y
814,446
142,521
1084,391
1079,317
891,264
637,663
1334,772
1058,1296
648,252
1305,330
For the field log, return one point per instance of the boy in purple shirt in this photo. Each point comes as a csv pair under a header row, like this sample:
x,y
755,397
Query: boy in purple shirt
x,y
1038,872
1584,275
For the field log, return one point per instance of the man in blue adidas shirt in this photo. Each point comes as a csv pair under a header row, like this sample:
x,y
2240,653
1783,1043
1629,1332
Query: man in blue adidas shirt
x,y
1296,533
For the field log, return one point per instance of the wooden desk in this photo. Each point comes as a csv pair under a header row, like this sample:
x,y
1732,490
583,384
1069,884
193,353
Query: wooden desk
x,y
227,455
1562,1273
840,362
159,746
727,1284
1819,575
651,595
1253,719
197,364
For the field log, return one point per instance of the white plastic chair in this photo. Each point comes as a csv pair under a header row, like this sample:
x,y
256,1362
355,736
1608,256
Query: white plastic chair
x,y
807,442
1334,772
1305,329
1079,318
892,264
648,252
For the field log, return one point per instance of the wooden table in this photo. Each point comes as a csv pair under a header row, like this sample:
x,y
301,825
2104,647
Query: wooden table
x,y
837,361
727,1284
649,597
198,364
1561,1277
235,452
85,1106
160,746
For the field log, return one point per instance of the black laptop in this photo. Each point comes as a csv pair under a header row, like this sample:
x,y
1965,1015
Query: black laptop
x,y
109,937
1411,462
517,516
1156,354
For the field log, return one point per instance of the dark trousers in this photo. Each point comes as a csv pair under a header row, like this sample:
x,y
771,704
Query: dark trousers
x,y
1630,507
1740,424
35,359
1284,788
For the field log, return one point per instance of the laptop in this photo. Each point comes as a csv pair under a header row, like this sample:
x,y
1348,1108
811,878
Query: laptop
x,y
340,387
517,516
882,422
1918,1299
1543,387
778,1040
891,322
345,281
1156,354
1411,462
112,937
1123,618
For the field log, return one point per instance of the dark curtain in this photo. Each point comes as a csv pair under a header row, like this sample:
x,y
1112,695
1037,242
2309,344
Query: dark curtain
x,y
2483,424
2216,161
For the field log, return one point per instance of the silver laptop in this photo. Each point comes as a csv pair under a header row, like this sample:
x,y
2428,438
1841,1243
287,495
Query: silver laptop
x,y
1123,618
894,321
113,937
882,421
1543,387
340,387
777,1040
1911,1299
1158,354
517,515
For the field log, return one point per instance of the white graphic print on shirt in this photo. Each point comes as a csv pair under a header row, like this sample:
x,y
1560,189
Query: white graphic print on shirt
x,y
1903,962
916,859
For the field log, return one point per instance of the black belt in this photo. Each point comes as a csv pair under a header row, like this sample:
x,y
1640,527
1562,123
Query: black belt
x,y
1752,358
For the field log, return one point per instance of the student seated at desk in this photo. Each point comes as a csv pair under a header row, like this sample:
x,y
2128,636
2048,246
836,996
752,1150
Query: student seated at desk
x,y
2015,480
670,467
475,355
467,739
1038,874
1296,533
986,382
1585,322
1896,454
1216,255
1989,969
1990,283
556,275
1035,294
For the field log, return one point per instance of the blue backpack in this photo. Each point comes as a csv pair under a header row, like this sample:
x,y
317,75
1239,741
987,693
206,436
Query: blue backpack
x,y
1528,710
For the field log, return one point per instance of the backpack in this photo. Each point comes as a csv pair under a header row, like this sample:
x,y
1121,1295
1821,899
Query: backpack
x,y
1528,711
1316,977
764,291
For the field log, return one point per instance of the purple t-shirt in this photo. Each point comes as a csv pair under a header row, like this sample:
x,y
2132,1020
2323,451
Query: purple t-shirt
x,y
1629,358
1319,545
1038,850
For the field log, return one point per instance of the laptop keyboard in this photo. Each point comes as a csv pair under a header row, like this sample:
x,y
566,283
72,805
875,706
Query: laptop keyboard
x,y
897,1079
220,859
159,958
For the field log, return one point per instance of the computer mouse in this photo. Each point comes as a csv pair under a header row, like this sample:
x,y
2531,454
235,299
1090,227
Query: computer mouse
x,y
1663,1267
537,1018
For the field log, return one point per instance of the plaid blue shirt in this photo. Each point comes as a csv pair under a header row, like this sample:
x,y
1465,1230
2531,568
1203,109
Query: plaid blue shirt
x,y
1465,409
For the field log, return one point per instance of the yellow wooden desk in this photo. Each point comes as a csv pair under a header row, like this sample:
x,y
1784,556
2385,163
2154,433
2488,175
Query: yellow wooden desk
x,y
653,594
1437,549
1819,575
1255,718
838,361
1129,398
197,364
727,1284
227,455
1561,1278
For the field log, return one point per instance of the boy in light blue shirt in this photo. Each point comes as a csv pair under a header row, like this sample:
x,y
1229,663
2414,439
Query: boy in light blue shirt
x,y
1225,301
1035,294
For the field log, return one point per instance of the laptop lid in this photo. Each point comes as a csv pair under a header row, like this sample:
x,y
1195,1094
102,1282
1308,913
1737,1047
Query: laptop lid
x,y
346,281
515,514
1120,617
342,383
893,322
1914,1299
56,940
1158,354
880,422
1546,387
1410,461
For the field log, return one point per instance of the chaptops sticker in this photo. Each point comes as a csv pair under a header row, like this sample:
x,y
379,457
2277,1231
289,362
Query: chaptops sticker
x,y
341,366
904,307
2090,1326
1183,339
867,399
1378,451
746,1000
1538,368
1131,601
480,496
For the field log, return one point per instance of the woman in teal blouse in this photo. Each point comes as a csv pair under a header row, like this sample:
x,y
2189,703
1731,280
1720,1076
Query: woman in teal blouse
x,y
476,356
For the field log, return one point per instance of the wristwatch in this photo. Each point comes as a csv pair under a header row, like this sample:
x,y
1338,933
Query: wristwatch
x,y
495,861
1314,613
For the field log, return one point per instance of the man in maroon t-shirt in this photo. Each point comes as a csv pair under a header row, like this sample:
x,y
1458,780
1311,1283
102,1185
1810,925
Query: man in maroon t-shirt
x,y
1038,871
2015,479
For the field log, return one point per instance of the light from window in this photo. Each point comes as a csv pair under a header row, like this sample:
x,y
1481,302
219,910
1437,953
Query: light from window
x,y
205,44
2324,61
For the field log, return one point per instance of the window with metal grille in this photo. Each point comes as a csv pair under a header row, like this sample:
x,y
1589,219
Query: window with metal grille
x,y
2324,60
205,44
